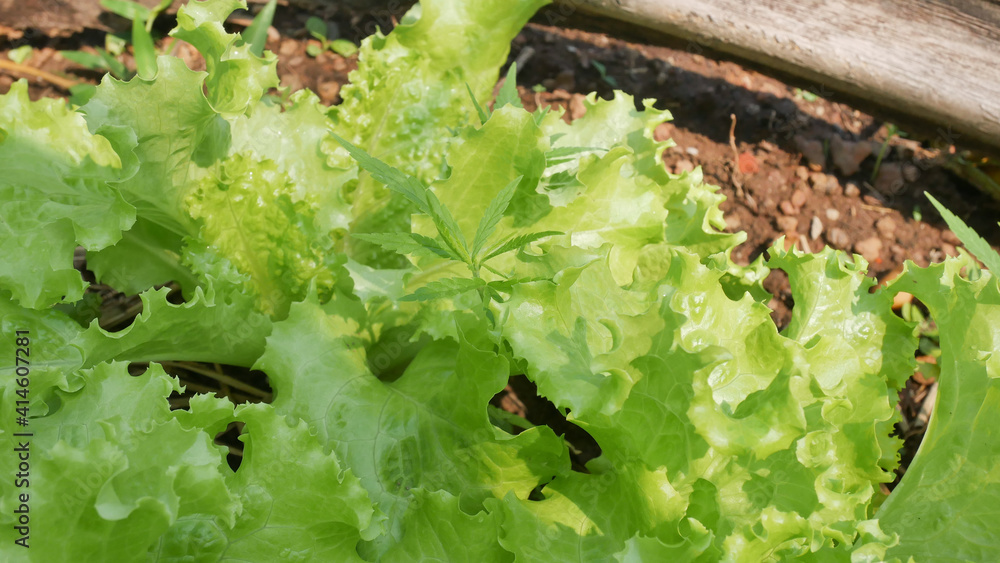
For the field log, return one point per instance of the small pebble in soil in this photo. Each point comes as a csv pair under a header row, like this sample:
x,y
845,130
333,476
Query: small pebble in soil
x,y
815,228
848,155
328,91
870,248
812,149
886,227
565,80
691,151
799,198
838,238
890,178
832,214
801,172
787,225
910,173
948,236
577,109
948,249
787,208
852,190
288,47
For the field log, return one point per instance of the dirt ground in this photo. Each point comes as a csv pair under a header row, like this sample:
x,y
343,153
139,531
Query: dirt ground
x,y
797,163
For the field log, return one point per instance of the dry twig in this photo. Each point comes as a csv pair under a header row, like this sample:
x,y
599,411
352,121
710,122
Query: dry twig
x,y
64,83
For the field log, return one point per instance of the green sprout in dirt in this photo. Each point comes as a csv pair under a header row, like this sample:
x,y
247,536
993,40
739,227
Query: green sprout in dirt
x,y
318,29
609,80
805,95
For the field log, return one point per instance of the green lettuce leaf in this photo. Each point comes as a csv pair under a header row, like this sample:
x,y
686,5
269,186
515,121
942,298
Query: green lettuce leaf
x,y
945,508
56,194
408,93
320,374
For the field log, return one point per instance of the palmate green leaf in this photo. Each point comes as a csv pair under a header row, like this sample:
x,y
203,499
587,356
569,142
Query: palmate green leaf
x,y
945,507
518,242
405,185
446,287
485,164
408,243
970,238
507,96
417,193
57,194
494,212
483,115
409,93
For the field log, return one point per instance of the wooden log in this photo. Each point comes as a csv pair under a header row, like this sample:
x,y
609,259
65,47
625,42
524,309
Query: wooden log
x,y
934,64
935,60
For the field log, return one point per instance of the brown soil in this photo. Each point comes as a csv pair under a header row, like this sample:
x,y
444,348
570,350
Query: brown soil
x,y
771,185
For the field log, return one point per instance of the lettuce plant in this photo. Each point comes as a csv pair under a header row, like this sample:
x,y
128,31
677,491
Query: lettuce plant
x,y
389,263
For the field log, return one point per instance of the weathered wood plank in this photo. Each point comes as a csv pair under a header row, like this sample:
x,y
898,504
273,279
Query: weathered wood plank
x,y
938,60
935,60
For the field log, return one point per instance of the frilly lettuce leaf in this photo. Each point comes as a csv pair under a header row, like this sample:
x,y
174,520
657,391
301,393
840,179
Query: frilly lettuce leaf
x,y
280,520
409,93
133,470
319,371
56,190
771,455
608,284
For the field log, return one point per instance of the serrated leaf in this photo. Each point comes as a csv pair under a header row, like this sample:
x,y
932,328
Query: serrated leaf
x,y
405,185
562,155
447,287
406,243
970,238
494,212
508,92
517,242
414,190
483,116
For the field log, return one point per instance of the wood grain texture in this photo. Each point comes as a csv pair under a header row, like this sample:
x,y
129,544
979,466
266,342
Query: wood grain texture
x,y
938,60
935,60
